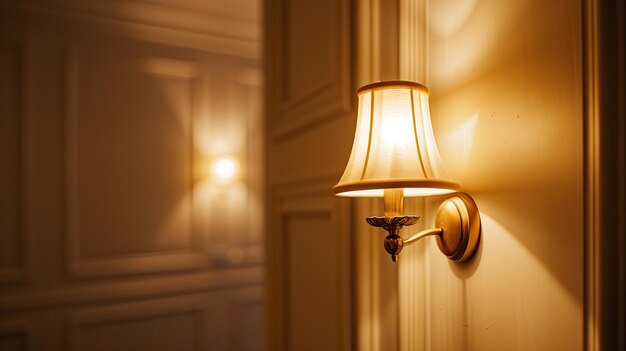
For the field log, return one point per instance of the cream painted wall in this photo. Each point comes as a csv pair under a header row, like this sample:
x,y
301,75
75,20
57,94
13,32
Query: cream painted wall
x,y
507,111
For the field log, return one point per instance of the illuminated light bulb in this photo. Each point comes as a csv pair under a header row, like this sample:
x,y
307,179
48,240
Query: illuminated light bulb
x,y
396,131
225,168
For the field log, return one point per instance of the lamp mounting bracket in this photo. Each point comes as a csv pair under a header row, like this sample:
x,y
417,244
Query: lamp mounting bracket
x,y
457,227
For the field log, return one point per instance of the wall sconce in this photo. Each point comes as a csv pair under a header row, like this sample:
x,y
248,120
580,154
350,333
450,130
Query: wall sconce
x,y
395,155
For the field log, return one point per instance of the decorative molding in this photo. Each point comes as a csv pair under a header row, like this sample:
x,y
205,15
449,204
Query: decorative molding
x,y
378,40
148,287
304,184
413,46
244,300
141,263
330,97
98,317
242,10
604,174
136,264
249,83
18,275
592,201
385,51
195,19
202,28
238,256
311,200
413,283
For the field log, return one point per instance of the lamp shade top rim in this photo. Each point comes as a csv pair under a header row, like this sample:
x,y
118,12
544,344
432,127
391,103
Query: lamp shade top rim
x,y
393,84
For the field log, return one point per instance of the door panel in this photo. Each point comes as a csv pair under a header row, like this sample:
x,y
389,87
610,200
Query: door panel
x,y
309,126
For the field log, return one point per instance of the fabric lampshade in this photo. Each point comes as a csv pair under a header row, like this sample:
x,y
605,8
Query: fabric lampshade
x,y
394,145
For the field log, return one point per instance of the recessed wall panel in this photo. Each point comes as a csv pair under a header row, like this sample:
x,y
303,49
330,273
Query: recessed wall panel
x,y
164,333
247,317
129,161
310,29
158,324
311,279
311,63
133,159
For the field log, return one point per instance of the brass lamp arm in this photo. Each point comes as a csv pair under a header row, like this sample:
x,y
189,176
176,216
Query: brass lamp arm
x,y
457,226
423,234
394,242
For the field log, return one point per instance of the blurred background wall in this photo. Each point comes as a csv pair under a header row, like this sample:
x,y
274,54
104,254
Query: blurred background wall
x,y
114,232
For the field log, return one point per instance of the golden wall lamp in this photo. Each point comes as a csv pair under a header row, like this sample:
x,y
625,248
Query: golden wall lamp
x,y
395,155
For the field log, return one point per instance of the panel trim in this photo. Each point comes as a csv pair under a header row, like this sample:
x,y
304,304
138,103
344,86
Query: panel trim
x,y
192,28
384,32
137,264
231,9
116,265
109,291
414,319
604,175
250,83
332,98
307,199
243,299
143,310
413,45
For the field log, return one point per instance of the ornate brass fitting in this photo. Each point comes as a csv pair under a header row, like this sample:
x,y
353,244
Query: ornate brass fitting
x,y
393,242
457,226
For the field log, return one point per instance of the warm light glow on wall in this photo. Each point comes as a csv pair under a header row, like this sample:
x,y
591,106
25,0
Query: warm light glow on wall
x,y
225,168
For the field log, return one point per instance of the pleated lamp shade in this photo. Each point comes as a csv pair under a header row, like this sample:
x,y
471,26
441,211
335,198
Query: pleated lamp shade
x,y
394,146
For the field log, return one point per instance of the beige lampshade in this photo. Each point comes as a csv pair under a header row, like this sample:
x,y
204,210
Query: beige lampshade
x,y
394,145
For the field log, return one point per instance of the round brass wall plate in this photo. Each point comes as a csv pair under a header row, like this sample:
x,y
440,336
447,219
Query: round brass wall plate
x,y
459,219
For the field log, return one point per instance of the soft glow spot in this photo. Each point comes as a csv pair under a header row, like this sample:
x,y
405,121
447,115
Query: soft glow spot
x,y
457,143
450,15
396,132
225,168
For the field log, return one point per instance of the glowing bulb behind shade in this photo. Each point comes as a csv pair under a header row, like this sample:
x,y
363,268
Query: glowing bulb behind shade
x,y
394,144
224,168
396,132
